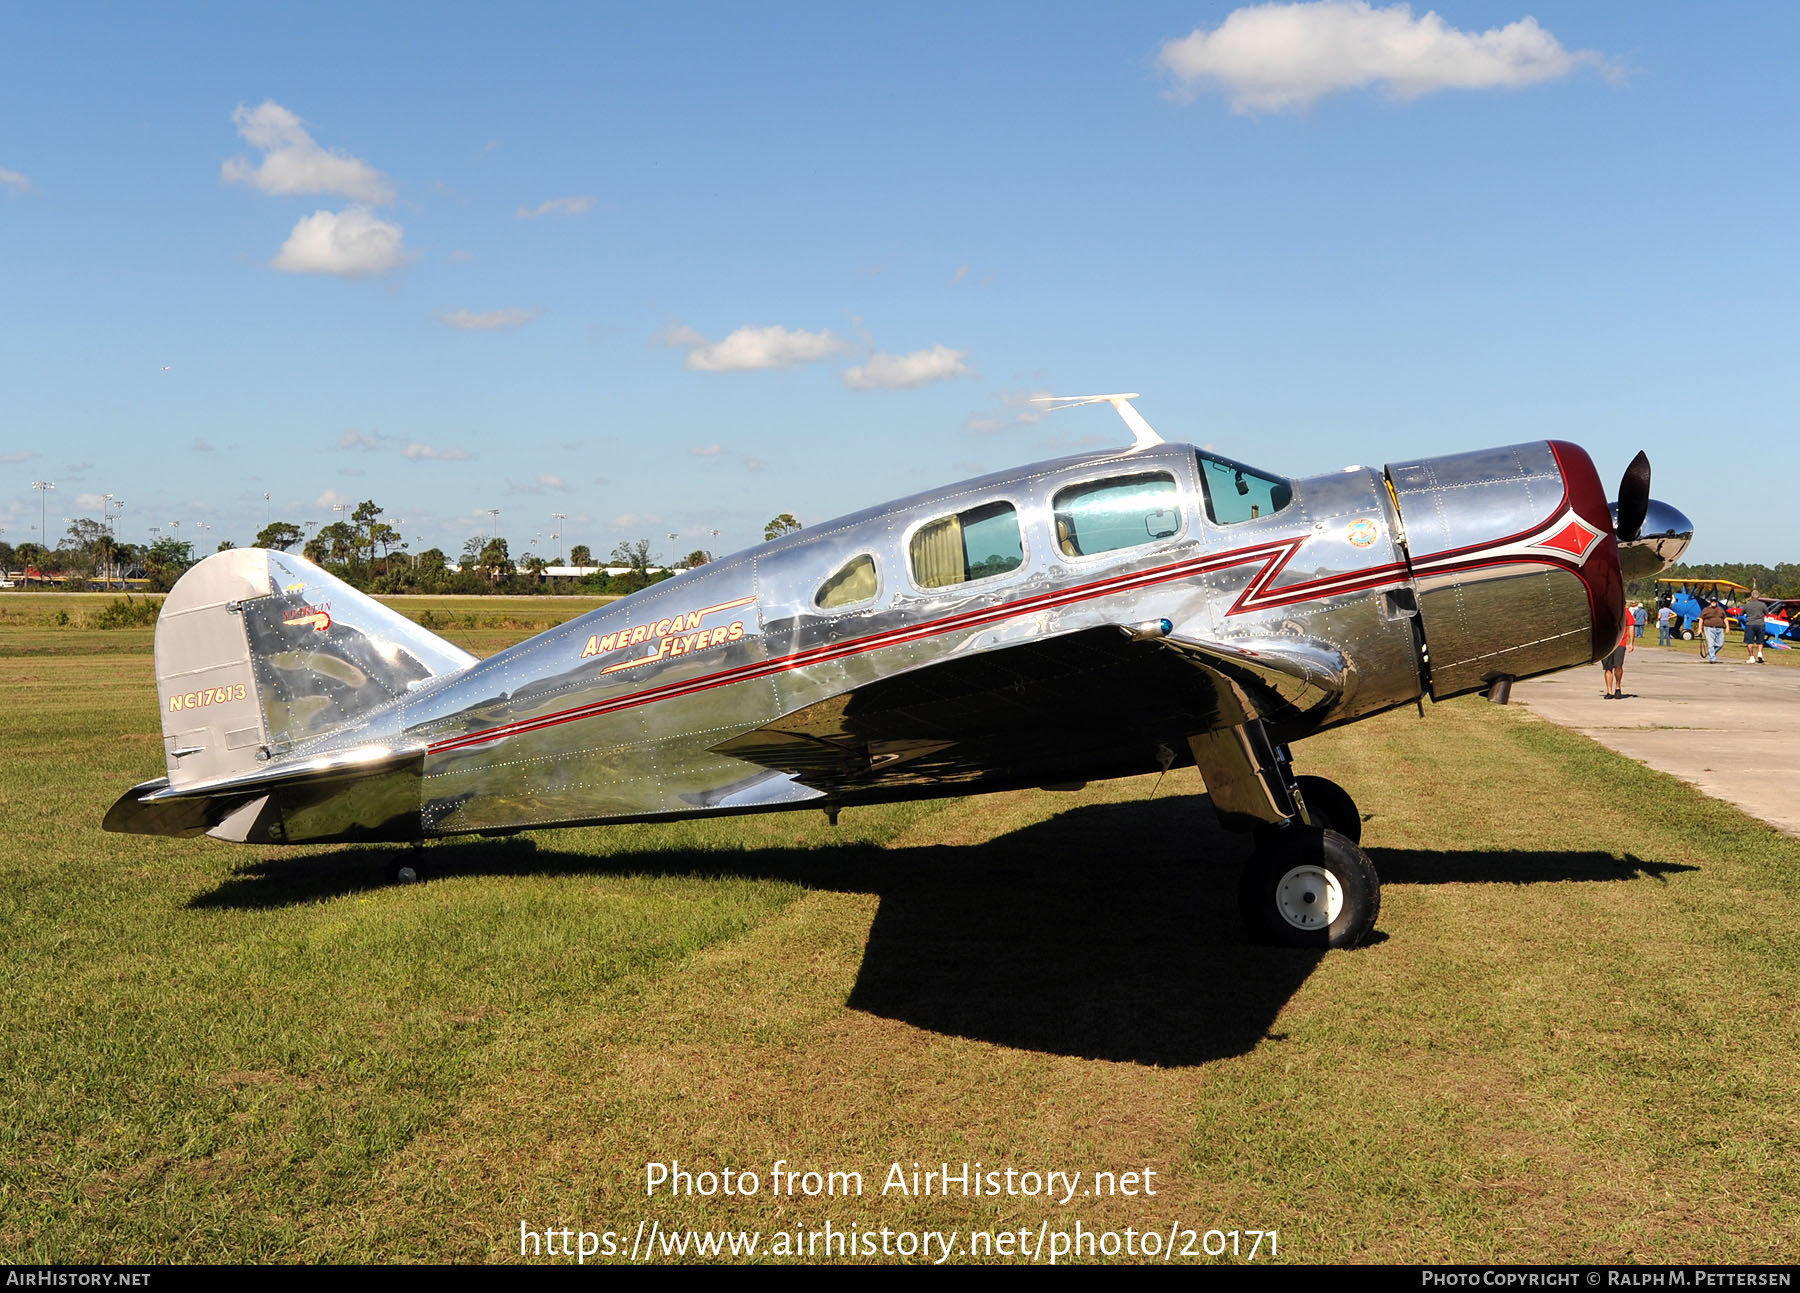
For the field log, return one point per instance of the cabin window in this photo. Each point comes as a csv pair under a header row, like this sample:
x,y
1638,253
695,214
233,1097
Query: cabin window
x,y
1236,493
853,582
1120,512
977,544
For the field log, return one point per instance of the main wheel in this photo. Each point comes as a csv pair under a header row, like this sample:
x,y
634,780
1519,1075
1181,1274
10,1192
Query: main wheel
x,y
1329,805
1308,887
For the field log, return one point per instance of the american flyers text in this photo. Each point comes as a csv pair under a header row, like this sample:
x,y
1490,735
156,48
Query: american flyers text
x,y
675,635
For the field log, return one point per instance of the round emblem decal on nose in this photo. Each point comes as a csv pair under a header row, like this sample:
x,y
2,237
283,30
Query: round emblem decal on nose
x,y
1362,533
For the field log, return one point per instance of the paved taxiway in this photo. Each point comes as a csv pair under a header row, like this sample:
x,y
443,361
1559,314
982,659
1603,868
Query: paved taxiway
x,y
1731,729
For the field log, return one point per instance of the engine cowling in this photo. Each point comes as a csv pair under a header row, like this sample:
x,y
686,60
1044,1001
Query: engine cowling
x,y
1513,559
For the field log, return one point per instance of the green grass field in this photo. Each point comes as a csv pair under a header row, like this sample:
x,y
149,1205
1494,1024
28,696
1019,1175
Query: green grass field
x,y
1573,1039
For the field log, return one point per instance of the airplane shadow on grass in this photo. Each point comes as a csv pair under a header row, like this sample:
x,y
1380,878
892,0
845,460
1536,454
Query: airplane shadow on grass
x,y
1106,932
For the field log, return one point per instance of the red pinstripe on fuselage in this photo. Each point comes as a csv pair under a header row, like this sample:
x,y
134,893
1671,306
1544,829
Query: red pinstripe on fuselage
x,y
1271,558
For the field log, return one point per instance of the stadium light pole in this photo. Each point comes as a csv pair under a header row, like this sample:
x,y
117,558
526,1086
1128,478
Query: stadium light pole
x,y
106,502
112,538
43,487
559,518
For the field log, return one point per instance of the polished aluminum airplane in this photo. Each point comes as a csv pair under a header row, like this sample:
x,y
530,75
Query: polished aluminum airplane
x,y
1095,616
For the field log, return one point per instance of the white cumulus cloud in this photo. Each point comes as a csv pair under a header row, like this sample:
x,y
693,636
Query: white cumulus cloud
x,y
752,348
556,206
490,321
1286,57
13,180
542,483
1016,410
708,451
354,242
293,163
417,452
887,372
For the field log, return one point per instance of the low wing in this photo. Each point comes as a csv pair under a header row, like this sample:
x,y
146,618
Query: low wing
x,y
1102,702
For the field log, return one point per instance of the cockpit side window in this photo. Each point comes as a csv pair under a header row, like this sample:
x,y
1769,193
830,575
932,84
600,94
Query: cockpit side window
x,y
1236,493
976,544
850,585
1119,512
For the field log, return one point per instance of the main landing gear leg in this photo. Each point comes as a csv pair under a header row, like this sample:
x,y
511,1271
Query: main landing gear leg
x,y
1308,883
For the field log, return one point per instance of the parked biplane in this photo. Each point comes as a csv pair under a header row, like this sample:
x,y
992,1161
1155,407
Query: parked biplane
x,y
1688,597
1778,627
1094,616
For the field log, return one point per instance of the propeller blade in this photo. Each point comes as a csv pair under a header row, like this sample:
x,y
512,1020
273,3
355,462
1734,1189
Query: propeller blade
x,y
1634,498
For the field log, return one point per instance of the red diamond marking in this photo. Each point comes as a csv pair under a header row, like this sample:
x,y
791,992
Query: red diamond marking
x,y
1574,539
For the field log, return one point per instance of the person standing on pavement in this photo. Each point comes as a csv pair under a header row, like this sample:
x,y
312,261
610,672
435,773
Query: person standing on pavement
x,y
1755,627
1665,616
1614,664
1712,626
1639,618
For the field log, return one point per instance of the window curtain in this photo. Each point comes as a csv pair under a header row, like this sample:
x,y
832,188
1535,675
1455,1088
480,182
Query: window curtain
x,y
937,554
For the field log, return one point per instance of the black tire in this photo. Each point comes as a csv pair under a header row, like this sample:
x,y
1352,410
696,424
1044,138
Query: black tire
x,y
1295,877
1330,806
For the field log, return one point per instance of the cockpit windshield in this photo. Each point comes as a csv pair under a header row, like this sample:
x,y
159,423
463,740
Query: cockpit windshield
x,y
1236,493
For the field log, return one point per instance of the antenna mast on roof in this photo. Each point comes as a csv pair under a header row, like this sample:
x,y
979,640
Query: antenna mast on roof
x,y
1143,435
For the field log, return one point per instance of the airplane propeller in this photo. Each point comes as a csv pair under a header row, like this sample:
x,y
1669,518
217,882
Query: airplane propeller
x,y
1634,499
1652,535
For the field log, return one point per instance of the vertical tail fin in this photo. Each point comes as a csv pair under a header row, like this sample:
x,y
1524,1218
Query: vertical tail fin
x,y
260,652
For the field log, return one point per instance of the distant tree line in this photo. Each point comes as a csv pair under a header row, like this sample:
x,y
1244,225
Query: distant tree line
x,y
1781,580
364,551
368,553
88,556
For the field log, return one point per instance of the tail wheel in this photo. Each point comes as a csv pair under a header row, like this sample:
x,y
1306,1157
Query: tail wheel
x,y
1329,805
1309,887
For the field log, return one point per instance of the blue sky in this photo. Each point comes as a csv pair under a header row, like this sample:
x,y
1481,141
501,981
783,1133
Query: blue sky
x,y
682,268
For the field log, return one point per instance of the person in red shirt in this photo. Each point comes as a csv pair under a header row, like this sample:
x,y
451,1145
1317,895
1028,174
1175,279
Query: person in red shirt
x,y
1614,664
